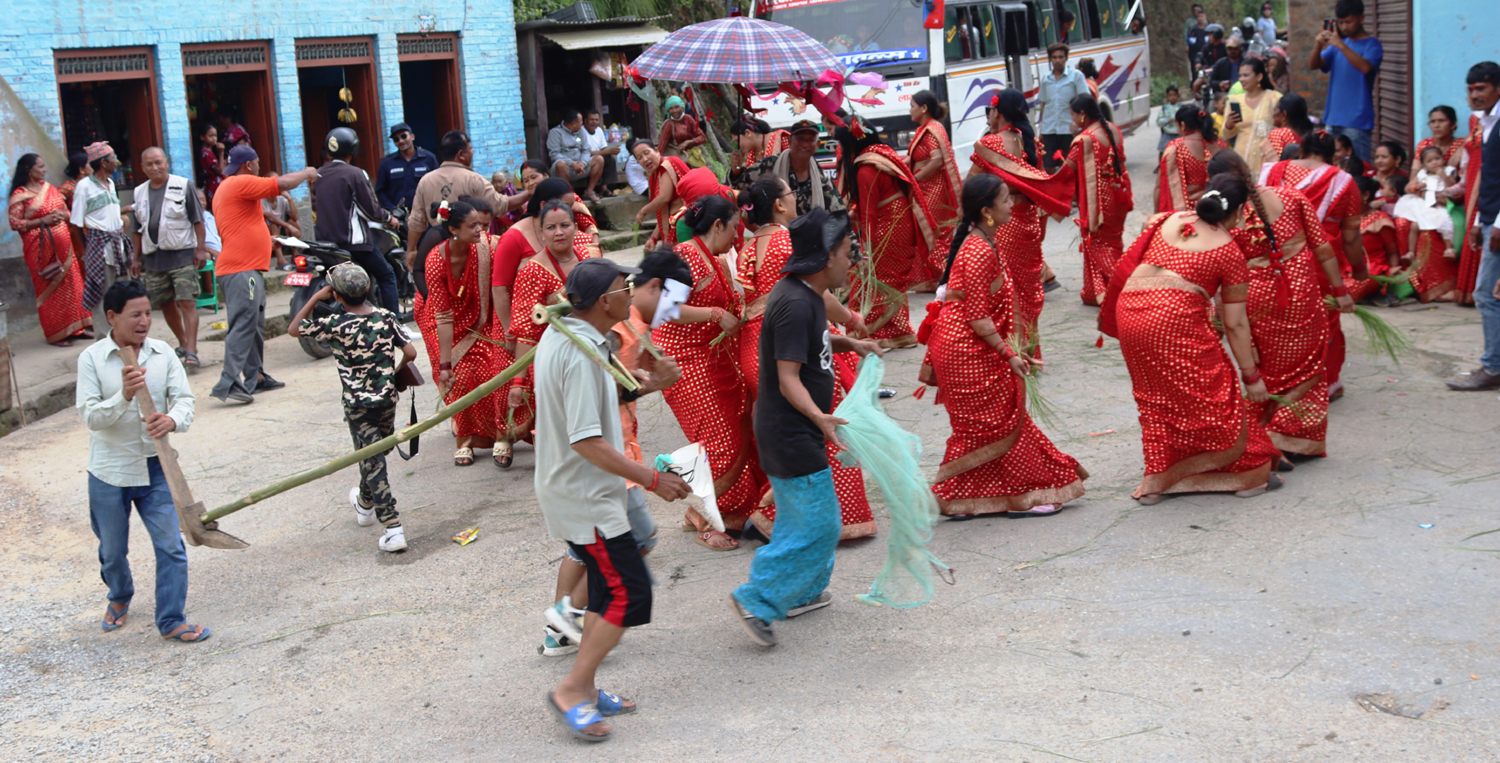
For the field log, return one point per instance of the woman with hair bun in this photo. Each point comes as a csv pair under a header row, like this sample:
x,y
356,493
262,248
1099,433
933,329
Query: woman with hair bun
x,y
1096,164
932,162
997,460
711,401
1184,164
757,141
1198,432
1289,123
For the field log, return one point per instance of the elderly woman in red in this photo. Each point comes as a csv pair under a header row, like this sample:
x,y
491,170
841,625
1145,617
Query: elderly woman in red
x,y
1096,162
895,228
38,214
460,331
936,170
1184,163
1198,432
997,459
1335,197
1285,248
662,174
711,401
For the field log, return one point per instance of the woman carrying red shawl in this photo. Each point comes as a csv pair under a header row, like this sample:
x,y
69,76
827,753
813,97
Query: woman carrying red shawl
x,y
1473,248
770,204
1096,164
997,459
1283,242
462,336
711,401
1335,199
38,214
1184,164
936,170
1199,434
895,228
662,174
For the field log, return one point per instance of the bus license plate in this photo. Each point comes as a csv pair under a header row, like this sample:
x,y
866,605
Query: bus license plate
x,y
298,279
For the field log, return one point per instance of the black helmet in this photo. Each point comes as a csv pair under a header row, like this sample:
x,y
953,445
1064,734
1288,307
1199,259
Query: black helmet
x,y
342,143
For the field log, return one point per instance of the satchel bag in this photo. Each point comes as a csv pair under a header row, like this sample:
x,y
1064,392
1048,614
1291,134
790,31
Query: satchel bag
x,y
408,376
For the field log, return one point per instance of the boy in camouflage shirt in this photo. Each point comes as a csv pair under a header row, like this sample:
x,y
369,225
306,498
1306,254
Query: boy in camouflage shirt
x,y
365,342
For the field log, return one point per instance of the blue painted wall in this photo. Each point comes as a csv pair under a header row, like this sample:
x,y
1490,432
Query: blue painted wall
x,y
487,49
1449,36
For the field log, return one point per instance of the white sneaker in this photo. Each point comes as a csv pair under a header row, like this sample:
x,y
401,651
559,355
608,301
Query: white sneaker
x,y
365,516
394,540
555,644
563,619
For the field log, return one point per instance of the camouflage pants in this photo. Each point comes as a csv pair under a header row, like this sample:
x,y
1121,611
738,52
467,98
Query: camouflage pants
x,y
369,425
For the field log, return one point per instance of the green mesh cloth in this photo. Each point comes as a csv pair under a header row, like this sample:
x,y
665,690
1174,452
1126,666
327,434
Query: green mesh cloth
x,y
890,454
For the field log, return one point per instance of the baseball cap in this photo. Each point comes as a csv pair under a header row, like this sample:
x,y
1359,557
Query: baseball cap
x,y
805,125
349,280
399,128
238,156
591,278
813,238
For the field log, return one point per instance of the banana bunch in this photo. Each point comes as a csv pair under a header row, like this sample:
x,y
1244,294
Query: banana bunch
x,y
346,114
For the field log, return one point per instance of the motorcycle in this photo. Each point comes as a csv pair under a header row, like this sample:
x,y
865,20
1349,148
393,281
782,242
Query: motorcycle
x,y
392,246
308,278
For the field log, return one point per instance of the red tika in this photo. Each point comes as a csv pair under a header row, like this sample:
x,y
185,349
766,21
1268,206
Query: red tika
x,y
997,459
670,167
1104,198
59,302
1198,432
1288,321
760,270
1468,257
896,229
478,352
940,193
710,400
1184,173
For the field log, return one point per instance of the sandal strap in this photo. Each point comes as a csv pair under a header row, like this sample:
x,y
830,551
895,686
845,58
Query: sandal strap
x,y
583,715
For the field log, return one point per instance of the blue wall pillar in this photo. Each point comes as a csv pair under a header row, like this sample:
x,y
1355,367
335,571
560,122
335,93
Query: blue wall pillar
x,y
177,132
288,108
388,72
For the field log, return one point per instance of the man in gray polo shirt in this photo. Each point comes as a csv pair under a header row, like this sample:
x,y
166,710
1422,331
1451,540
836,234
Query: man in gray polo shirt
x,y
581,469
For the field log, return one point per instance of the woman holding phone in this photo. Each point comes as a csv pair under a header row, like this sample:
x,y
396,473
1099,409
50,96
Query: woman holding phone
x,y
1250,116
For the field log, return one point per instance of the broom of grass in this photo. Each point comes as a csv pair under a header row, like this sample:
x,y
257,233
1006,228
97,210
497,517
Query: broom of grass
x,y
1382,337
1037,405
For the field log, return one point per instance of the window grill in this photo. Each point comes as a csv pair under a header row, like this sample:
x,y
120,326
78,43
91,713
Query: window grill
x,y
217,57
318,51
105,64
427,45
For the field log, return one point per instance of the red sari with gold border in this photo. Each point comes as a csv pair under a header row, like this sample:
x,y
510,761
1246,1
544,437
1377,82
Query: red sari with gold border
x,y
478,352
1468,257
674,168
711,401
997,459
896,229
940,193
1288,320
1104,198
1198,431
776,142
59,302
1184,174
1279,138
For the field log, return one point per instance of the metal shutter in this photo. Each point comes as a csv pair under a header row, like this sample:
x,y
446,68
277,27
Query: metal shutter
x,y
1393,86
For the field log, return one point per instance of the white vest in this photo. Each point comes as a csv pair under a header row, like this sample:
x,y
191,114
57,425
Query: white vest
x,y
175,231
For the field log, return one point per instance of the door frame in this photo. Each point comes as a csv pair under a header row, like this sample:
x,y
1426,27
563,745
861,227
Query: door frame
x,y
270,158
102,73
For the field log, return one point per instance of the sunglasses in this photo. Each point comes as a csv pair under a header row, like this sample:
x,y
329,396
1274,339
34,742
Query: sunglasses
x,y
629,288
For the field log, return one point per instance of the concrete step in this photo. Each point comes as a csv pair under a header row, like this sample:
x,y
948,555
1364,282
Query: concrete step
x,y
617,212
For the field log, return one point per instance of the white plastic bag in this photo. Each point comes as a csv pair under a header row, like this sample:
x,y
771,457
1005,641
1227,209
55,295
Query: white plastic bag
x,y
690,462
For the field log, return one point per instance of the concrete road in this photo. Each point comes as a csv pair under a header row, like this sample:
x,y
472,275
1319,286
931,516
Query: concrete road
x,y
1202,629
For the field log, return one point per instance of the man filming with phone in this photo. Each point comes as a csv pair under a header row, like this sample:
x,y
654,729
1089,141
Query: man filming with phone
x,y
1351,57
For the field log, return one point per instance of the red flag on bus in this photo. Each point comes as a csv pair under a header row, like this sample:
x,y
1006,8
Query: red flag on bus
x,y
934,14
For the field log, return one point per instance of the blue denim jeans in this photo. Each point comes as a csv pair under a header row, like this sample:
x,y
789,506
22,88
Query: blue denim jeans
x,y
1484,299
1360,139
797,564
109,514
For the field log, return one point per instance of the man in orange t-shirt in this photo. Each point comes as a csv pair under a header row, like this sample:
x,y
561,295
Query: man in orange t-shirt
x,y
240,270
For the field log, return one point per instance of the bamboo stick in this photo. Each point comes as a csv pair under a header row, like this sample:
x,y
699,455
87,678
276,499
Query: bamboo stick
x,y
552,315
349,459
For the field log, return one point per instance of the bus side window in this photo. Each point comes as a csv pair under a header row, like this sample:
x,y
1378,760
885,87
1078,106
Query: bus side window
x,y
1047,23
960,38
988,23
1033,28
1105,24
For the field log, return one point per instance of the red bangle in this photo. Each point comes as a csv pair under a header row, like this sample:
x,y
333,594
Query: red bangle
x,y
1251,377
445,366
1341,291
655,478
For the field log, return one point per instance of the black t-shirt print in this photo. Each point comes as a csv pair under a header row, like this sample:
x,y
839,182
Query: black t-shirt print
x,y
795,328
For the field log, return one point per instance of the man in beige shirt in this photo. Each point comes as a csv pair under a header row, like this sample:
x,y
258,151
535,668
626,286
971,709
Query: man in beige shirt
x,y
452,179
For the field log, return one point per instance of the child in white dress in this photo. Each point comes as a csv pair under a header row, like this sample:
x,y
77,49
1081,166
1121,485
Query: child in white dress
x,y
1429,210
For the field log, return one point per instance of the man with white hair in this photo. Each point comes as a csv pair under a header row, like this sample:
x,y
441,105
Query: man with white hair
x,y
170,246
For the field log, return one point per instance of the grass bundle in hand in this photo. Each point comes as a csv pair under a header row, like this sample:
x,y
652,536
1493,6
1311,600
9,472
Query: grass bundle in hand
x,y
1297,408
1405,277
1382,337
1037,406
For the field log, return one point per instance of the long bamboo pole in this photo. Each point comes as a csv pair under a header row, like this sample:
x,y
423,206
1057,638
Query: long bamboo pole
x,y
349,459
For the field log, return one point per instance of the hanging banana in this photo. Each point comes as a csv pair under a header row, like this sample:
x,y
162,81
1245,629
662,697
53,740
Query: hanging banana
x,y
348,116
346,95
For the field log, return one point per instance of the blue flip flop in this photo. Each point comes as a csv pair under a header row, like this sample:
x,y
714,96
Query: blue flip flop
x,y
613,704
190,629
577,718
117,615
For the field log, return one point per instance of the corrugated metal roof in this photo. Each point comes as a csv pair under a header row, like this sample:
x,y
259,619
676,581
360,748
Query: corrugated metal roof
x,y
584,39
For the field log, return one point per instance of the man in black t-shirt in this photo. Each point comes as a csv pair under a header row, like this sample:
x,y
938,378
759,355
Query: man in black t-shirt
x,y
794,426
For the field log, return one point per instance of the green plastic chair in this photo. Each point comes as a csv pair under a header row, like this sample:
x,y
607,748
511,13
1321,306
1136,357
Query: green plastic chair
x,y
208,287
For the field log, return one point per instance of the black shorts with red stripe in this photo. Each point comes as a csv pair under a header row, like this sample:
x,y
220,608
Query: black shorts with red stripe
x,y
619,584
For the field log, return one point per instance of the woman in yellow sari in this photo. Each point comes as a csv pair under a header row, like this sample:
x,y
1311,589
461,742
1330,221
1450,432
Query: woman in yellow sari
x,y
1250,116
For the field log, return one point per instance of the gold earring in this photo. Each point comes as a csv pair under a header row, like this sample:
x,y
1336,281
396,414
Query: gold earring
x,y
989,221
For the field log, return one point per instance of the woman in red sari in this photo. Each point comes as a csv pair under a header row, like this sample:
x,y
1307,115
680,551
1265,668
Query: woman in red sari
x,y
757,141
38,214
524,240
457,322
1468,256
1284,245
711,401
662,174
1199,434
769,205
936,170
997,459
1096,163
895,228
1335,197
1009,152
1184,163
1290,123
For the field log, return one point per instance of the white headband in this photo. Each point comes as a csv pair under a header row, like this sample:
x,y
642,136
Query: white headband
x,y
1223,202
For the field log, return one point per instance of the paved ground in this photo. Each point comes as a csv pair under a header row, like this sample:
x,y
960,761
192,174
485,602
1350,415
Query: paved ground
x,y
1202,629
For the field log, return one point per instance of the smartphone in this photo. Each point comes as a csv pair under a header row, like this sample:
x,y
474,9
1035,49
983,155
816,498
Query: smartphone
x,y
1328,24
1235,107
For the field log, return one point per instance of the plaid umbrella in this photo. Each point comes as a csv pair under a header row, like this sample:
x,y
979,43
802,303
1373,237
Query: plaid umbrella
x,y
737,50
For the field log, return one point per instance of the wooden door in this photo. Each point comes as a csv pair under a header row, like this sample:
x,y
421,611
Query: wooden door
x,y
1391,24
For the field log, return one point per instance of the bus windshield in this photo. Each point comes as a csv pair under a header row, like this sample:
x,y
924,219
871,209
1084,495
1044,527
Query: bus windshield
x,y
860,33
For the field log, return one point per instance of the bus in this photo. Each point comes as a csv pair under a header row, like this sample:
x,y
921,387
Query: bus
x,y
982,48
